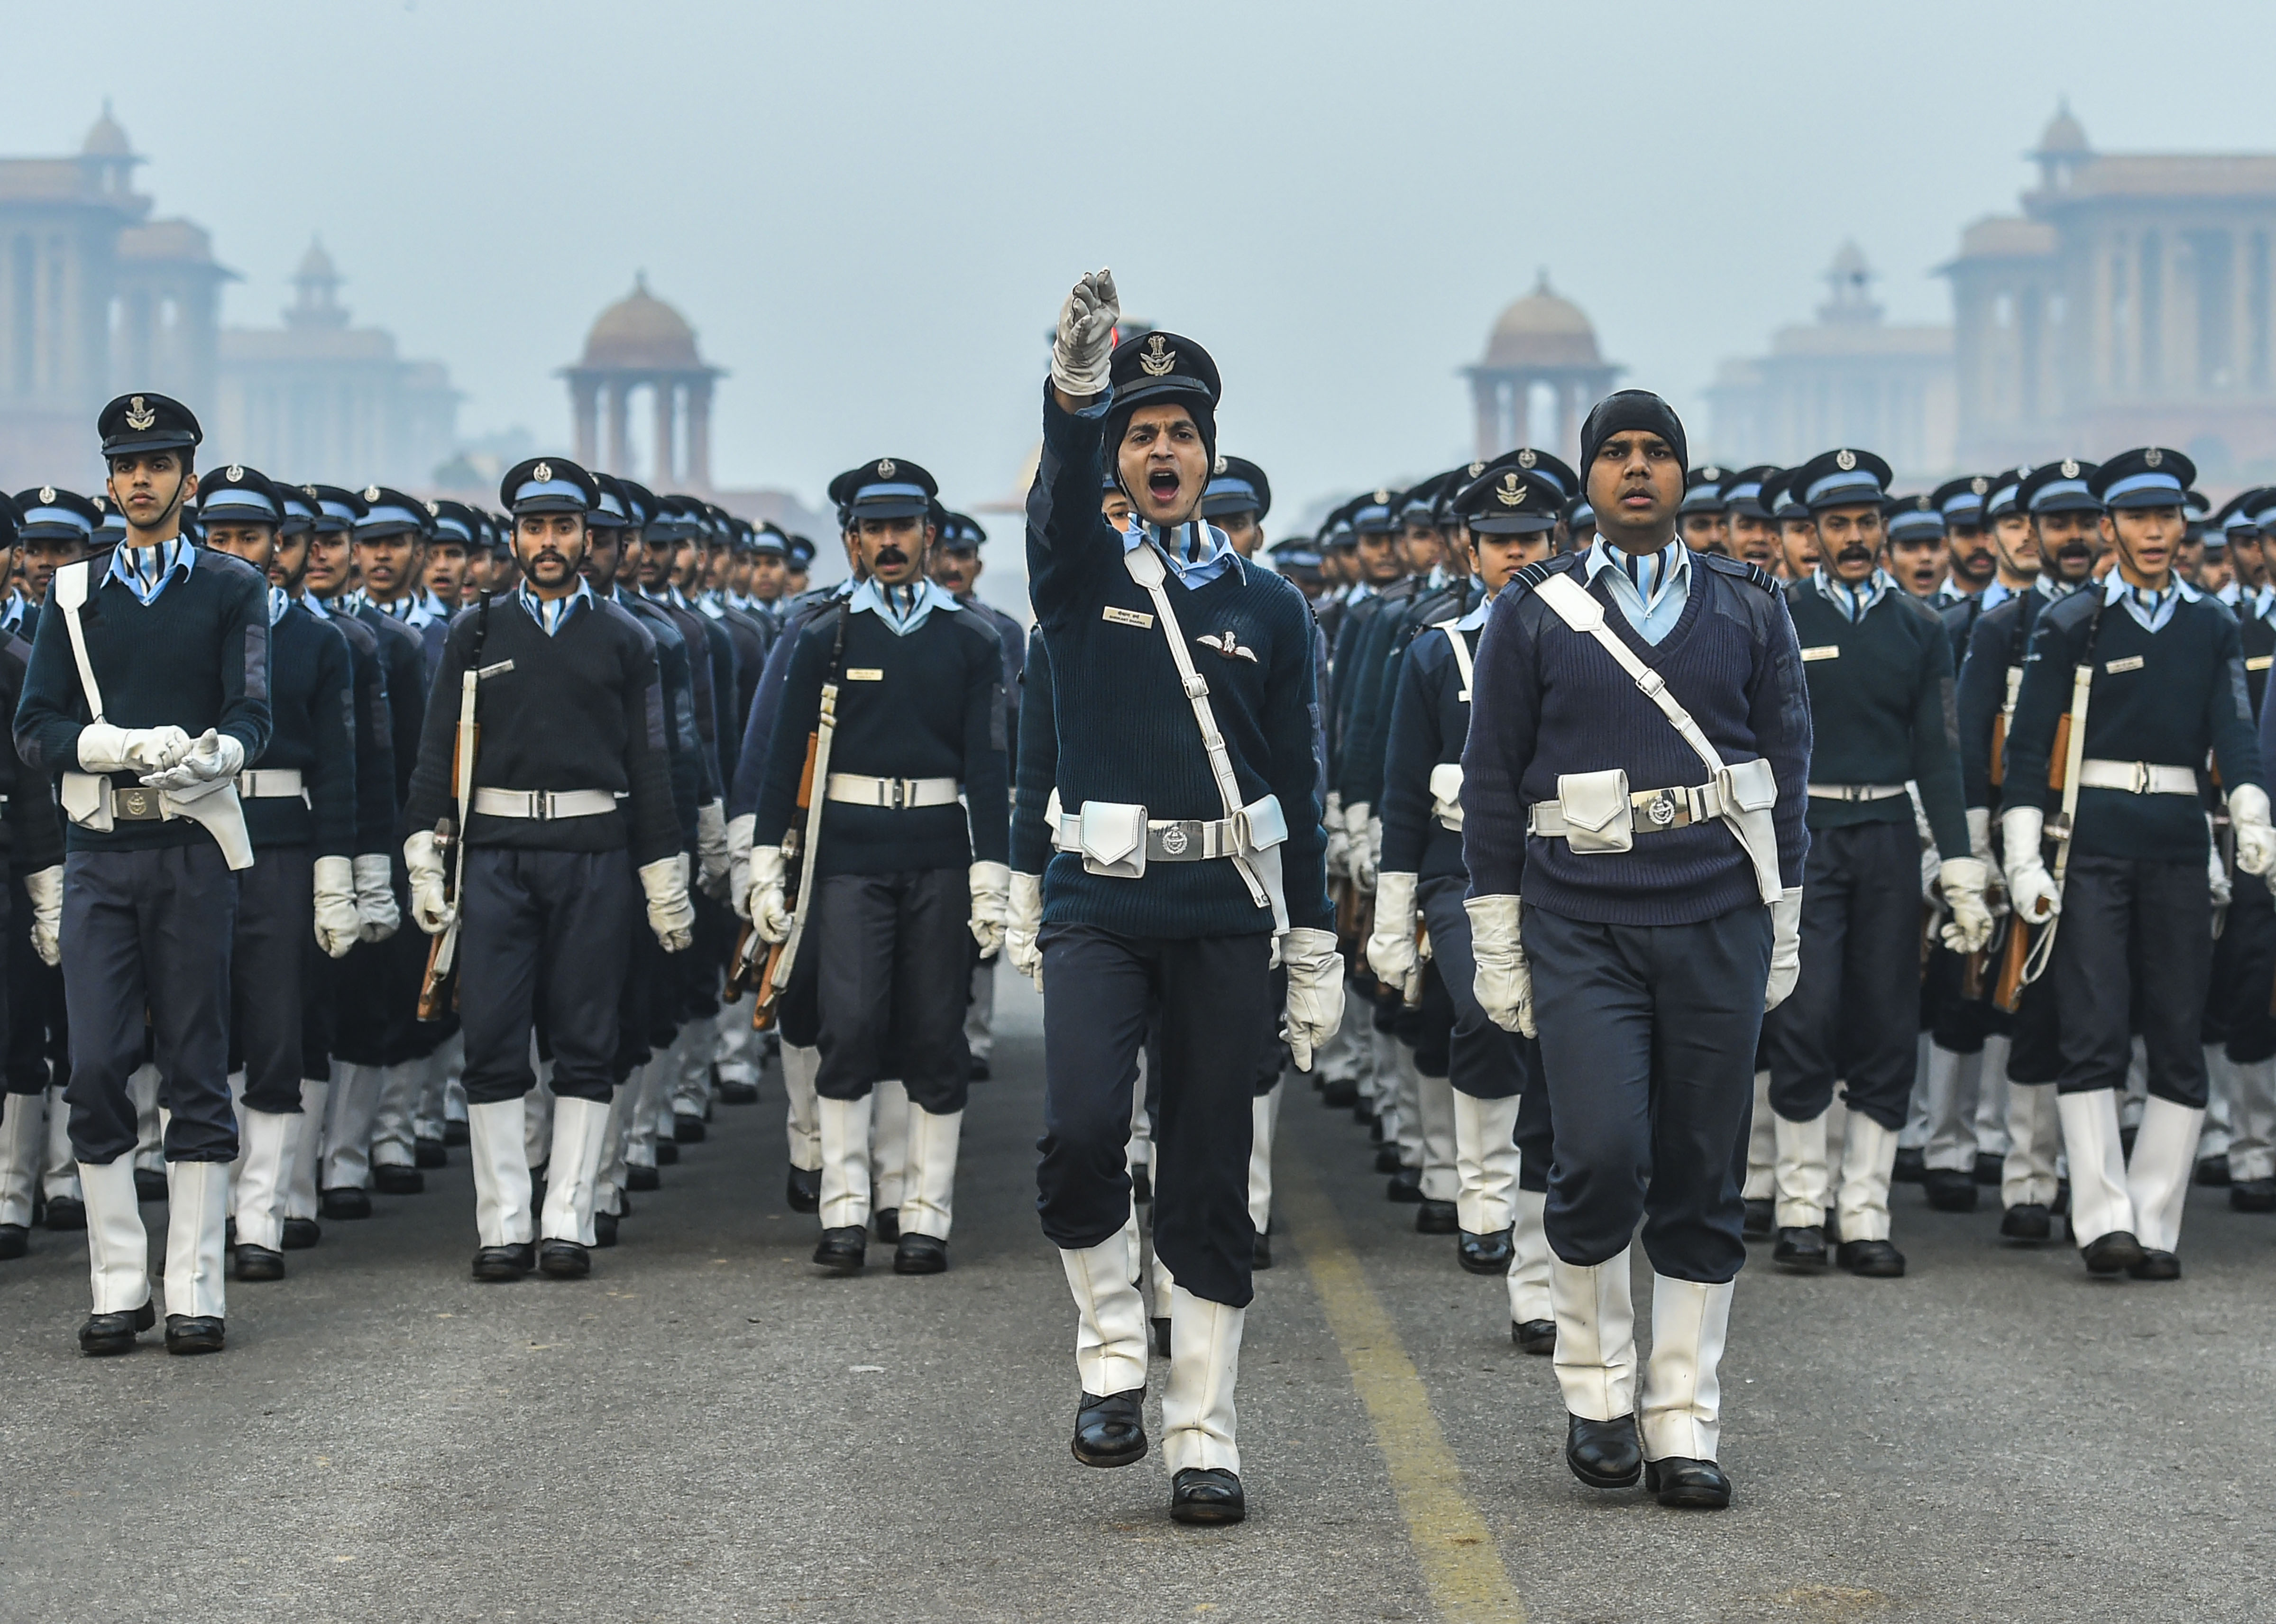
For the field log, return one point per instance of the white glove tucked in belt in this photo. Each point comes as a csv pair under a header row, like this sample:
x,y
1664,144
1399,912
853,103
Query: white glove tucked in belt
x,y
213,759
1023,922
711,848
338,924
1316,992
1503,982
768,910
377,917
425,863
1963,881
1785,948
991,888
45,886
105,748
669,914
2256,840
2030,888
1084,348
1391,949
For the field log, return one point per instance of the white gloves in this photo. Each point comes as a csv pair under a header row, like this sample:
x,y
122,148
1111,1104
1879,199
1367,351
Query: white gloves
x,y
1963,880
991,904
2248,816
425,862
1979,832
1085,344
338,924
105,748
711,848
669,914
1357,862
1391,949
1023,922
1502,984
377,916
738,859
46,888
2222,889
1785,948
1931,871
769,910
1316,992
212,760
2030,888
1338,840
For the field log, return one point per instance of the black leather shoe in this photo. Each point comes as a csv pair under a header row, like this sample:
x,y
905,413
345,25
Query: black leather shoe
x,y
454,1132
1484,1254
430,1153
1911,1168
1694,1485
1209,1494
1800,1250
392,1179
500,1263
104,1334
1111,1430
258,1263
921,1254
2111,1253
345,1203
2029,1222
2253,1194
739,1094
1157,1336
843,1250
1386,1158
2212,1172
1141,1186
149,1184
66,1212
2156,1265
979,1071
640,1178
1761,1219
803,1192
688,1128
15,1241
1604,1454
301,1233
886,1221
1950,1190
1340,1096
1436,1217
1872,1260
1405,1184
564,1260
605,1229
1990,1169
1260,1251
667,1150
193,1333
1534,1336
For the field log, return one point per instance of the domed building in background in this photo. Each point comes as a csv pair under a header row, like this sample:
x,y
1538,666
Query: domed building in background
x,y
1541,373
639,342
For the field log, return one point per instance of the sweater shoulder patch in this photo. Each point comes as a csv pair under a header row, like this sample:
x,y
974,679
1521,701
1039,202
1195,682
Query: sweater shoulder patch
x,y
1533,574
1755,574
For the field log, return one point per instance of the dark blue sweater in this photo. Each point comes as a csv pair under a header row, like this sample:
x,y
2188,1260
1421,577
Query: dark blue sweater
x,y
312,707
1549,700
1126,731
375,734
1429,724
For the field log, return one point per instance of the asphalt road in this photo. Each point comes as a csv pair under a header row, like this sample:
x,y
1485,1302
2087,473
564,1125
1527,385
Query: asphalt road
x,y
707,1431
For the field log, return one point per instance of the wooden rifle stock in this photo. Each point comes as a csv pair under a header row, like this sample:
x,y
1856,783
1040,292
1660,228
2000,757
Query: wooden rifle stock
x,y
441,949
763,1016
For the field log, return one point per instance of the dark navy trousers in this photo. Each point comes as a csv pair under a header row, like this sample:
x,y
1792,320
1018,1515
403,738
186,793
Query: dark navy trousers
x,y
543,937
2134,948
275,924
891,984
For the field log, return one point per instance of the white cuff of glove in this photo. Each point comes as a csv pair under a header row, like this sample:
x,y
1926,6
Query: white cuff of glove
x,y
740,831
669,914
1501,979
990,884
1315,1006
1785,948
338,924
1979,832
1391,948
2029,887
766,911
424,861
2256,840
1023,922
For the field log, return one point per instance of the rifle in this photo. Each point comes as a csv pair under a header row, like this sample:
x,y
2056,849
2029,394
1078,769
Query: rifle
x,y
2063,765
442,951
748,970
782,958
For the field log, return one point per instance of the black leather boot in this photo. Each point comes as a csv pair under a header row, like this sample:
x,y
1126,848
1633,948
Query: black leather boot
x,y
1405,1184
605,1229
1534,1336
687,1127
194,1333
921,1254
2253,1194
455,1131
392,1179
1484,1254
1800,1250
497,1264
301,1233
1111,1430
739,1094
430,1153
1206,1494
2112,1254
2156,1265
1340,1096
1604,1454
564,1260
1436,1217
345,1204
1260,1251
1386,1159
149,1184
66,1212
1911,1167
15,1241
667,1150
642,1177
258,1263
1950,1191
843,1250
104,1334
1696,1485
2028,1222
1874,1260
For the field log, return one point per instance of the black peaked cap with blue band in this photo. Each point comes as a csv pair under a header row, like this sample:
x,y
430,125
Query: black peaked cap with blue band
x,y
146,422
885,488
1913,518
391,512
1742,492
336,509
1239,486
2065,487
1510,501
1844,478
239,495
1703,489
1961,501
547,485
46,513
2147,476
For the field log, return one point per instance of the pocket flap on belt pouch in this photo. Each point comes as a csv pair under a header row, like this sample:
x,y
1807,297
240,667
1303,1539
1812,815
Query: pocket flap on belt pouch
x,y
1264,825
1751,786
1447,789
1596,811
1113,835
86,800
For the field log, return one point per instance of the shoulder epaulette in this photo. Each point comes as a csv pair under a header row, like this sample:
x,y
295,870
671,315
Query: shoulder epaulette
x,y
1919,606
1533,574
2077,607
1744,569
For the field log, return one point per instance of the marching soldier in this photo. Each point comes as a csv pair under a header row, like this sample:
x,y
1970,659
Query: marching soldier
x,y
1638,711
1189,839
899,872
541,882
2152,675
148,692
1705,525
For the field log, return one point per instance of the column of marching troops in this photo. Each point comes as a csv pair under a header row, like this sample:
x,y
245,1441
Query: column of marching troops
x,y
1971,894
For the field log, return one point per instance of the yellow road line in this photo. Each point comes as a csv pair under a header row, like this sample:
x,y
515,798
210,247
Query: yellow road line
x,y
1461,1563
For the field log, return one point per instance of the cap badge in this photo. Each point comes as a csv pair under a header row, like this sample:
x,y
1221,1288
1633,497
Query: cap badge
x,y
1921,503
308,491
1712,472
2069,468
1220,467
2152,456
1476,468
234,470
47,493
371,493
884,468
1512,493
1155,360
1527,457
1979,485
434,510
542,472
1844,460
139,416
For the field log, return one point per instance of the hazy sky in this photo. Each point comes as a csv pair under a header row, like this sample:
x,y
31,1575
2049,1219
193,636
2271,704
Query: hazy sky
x,y
870,212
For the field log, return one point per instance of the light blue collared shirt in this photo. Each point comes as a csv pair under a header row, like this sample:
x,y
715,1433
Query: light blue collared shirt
x,y
1855,602
902,609
1197,550
552,614
11,615
2151,610
1651,588
279,601
147,572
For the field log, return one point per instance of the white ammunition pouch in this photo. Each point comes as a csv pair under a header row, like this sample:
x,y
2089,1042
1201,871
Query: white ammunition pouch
x,y
1446,794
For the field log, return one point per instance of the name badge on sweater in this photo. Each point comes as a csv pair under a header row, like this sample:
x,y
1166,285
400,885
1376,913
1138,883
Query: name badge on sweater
x,y
2132,662
2260,661
1127,617
864,673
1824,651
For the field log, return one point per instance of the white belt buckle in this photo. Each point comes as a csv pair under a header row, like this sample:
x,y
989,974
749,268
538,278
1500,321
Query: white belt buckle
x,y
2141,776
1660,810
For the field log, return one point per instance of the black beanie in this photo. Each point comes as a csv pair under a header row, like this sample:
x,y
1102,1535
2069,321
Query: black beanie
x,y
1631,408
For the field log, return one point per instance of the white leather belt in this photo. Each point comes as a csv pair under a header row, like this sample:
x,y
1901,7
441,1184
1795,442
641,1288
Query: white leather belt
x,y
1857,791
544,805
1168,840
2137,777
269,783
1650,811
855,789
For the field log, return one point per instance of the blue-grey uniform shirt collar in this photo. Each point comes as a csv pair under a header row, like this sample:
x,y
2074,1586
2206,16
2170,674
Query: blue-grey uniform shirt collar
x,y
2150,610
147,572
1651,588
11,612
552,614
902,609
1197,550
279,601
1477,619
1855,602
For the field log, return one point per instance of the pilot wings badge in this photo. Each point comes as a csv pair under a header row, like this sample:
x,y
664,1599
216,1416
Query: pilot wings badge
x,y
1226,644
